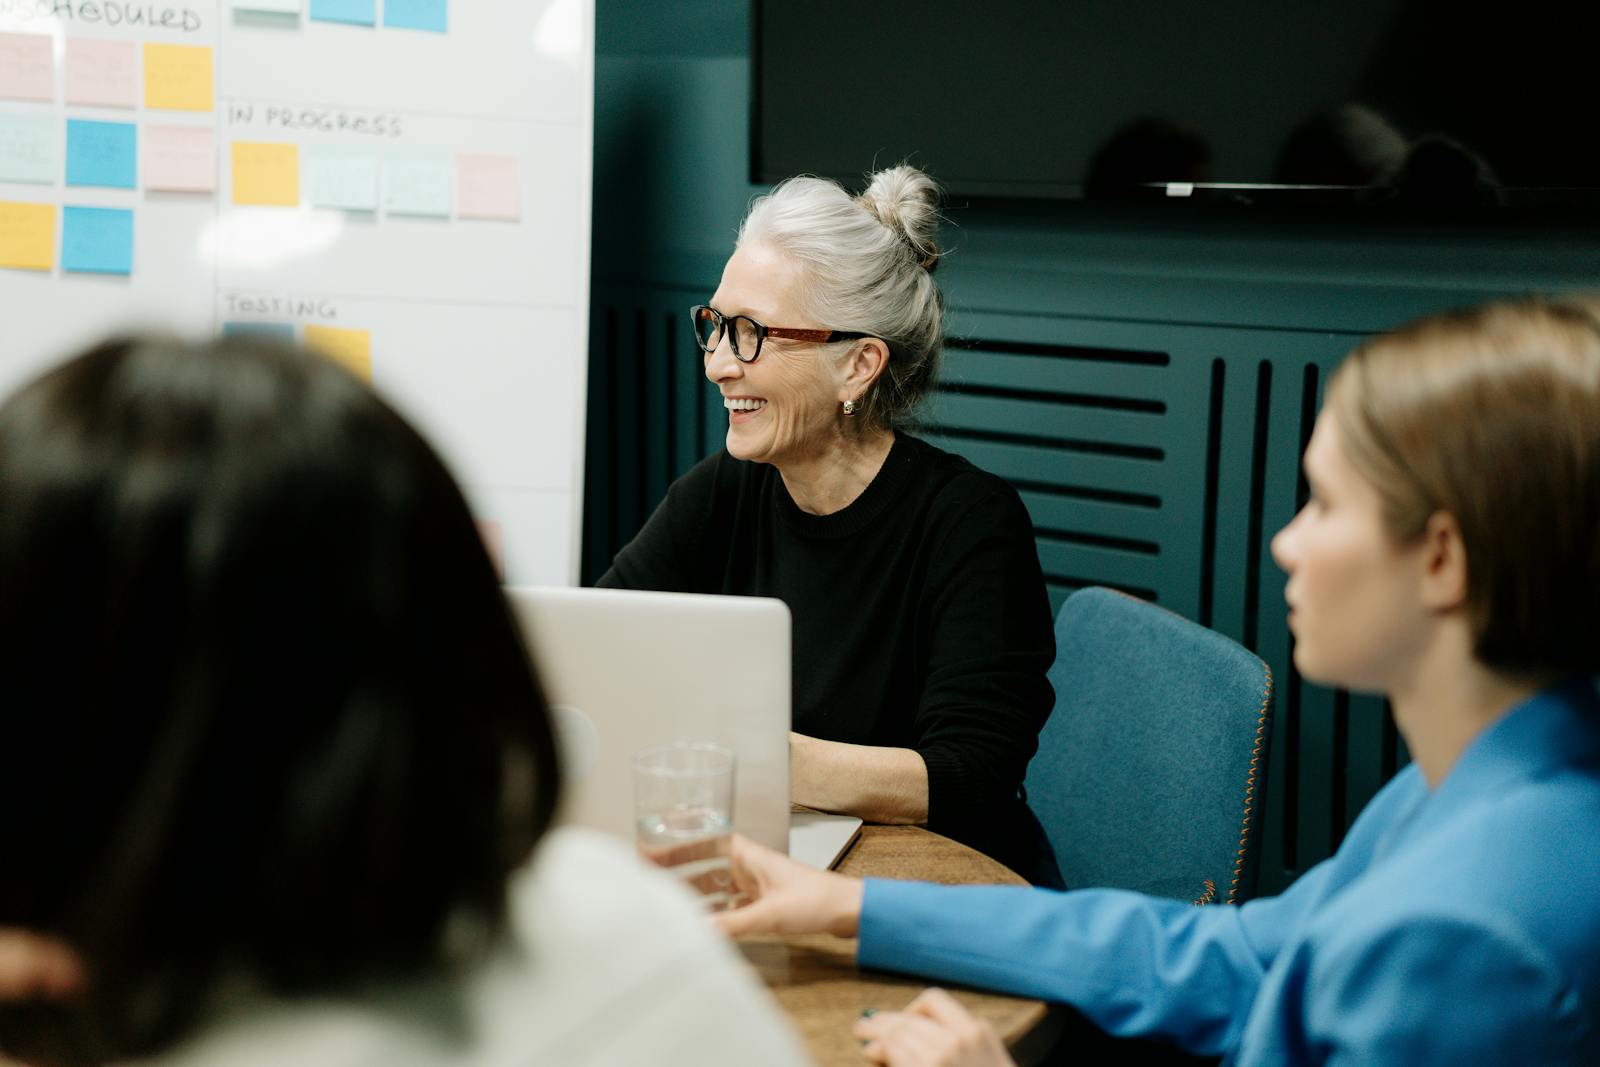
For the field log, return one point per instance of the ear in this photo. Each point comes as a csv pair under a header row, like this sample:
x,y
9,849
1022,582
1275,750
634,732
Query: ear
x,y
1444,563
867,360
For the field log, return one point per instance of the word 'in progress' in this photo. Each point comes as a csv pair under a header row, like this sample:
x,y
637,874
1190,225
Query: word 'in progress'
x,y
308,118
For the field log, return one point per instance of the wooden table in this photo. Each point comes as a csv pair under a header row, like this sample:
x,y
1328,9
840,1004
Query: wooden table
x,y
816,980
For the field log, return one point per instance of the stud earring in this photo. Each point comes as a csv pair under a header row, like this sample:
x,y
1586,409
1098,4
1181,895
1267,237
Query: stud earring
x,y
849,407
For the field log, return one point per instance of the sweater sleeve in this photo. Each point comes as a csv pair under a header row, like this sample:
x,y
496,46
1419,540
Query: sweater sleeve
x,y
677,550
990,642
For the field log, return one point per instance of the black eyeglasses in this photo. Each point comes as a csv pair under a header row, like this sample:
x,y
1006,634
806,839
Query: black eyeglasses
x,y
748,334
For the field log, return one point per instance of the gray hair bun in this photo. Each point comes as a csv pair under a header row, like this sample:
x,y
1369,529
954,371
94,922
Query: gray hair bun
x,y
907,201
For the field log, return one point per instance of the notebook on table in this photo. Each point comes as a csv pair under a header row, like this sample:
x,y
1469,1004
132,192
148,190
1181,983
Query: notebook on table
x,y
625,669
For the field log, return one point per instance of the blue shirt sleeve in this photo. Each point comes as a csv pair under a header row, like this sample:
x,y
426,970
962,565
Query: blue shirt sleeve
x,y
1135,965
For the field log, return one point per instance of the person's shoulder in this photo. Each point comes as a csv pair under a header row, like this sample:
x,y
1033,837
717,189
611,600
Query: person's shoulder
x,y
614,962
957,484
586,884
1521,867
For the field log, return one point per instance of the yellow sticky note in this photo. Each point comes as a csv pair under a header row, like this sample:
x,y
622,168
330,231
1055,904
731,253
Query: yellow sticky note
x,y
27,235
353,348
266,173
177,77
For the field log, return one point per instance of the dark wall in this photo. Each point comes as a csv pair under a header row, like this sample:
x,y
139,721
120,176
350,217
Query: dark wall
x,y
1147,380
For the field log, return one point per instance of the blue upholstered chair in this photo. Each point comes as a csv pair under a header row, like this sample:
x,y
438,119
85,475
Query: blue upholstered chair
x,y
1150,772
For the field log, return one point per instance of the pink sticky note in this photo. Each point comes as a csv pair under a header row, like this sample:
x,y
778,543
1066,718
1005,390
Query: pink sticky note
x,y
180,159
488,187
27,67
102,73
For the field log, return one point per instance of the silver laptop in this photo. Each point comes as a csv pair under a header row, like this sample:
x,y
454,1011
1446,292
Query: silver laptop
x,y
624,670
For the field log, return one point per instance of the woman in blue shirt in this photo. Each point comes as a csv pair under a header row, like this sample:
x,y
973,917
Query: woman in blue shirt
x,y
1449,557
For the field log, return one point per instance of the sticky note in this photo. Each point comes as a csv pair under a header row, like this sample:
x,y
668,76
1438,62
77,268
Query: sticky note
x,y
278,331
180,159
102,73
416,14
27,67
102,153
354,12
353,348
177,77
28,149
266,173
342,178
276,7
27,235
97,240
418,185
488,187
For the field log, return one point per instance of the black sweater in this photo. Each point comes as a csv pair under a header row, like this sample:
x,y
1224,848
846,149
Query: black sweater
x,y
920,617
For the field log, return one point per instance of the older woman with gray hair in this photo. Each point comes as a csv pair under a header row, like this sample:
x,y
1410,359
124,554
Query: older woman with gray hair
x,y
922,630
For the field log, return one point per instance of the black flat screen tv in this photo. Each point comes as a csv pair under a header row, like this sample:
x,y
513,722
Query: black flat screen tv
x,y
1411,102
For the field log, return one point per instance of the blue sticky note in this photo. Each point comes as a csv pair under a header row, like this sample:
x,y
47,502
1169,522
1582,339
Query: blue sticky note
x,y
98,240
102,153
280,331
355,12
416,14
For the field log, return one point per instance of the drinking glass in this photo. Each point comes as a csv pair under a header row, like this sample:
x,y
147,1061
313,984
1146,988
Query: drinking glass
x,y
683,808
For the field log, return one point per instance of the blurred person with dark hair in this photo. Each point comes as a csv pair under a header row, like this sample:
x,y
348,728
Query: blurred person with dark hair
x,y
278,780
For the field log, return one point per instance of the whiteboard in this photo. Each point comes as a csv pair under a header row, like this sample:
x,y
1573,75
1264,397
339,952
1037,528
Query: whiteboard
x,y
466,302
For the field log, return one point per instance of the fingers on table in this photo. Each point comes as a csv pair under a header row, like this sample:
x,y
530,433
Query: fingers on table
x,y
935,1003
933,1029
755,917
901,1039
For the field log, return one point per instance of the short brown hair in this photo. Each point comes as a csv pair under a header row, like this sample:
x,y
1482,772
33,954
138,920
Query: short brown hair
x,y
1492,414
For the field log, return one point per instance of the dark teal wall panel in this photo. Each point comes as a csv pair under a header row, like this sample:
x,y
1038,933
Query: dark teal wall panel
x,y
1140,522
1146,380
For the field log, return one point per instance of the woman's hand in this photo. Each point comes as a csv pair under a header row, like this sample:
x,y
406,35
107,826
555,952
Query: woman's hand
x,y
933,1031
785,897
36,967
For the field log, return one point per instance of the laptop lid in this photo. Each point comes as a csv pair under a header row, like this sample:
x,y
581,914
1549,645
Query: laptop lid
x,y
626,669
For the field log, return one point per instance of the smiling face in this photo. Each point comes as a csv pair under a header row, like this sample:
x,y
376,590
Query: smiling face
x,y
1356,599
784,407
